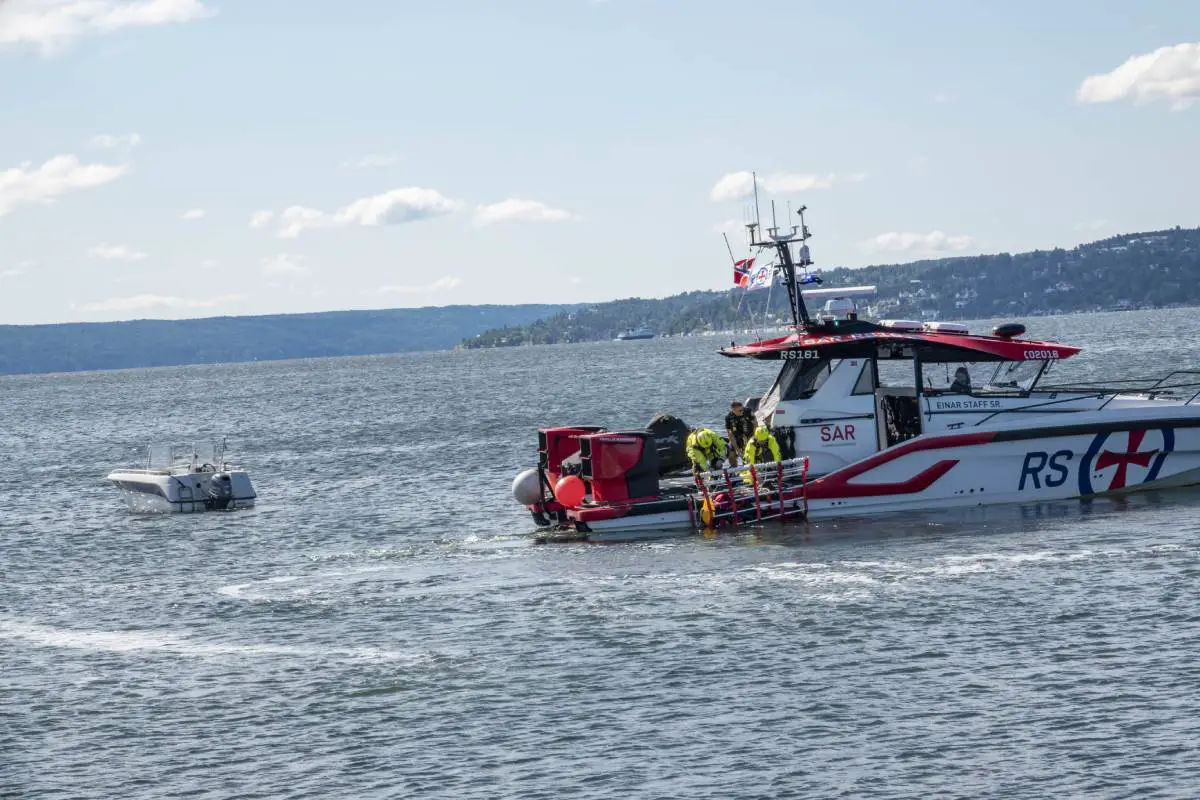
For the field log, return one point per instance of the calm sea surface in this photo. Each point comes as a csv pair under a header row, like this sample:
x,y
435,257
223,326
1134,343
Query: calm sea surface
x,y
380,626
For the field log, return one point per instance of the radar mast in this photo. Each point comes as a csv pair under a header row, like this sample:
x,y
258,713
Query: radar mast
x,y
781,243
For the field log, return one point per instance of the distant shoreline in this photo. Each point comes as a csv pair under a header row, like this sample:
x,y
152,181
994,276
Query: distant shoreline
x,y
139,344
740,336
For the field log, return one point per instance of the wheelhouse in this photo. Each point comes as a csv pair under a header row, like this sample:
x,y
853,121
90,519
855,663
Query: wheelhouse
x,y
847,389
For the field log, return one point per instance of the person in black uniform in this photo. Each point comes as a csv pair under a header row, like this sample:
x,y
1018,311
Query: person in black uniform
x,y
962,381
739,424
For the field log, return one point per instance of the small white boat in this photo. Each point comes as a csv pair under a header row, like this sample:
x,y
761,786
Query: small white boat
x,y
184,480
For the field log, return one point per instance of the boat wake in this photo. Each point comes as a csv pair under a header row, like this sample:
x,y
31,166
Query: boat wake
x,y
175,644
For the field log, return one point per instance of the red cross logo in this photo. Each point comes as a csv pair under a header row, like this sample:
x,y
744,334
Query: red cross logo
x,y
1123,460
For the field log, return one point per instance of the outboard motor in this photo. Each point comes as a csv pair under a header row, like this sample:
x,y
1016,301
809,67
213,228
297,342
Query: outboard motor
x,y
670,440
220,492
620,466
559,445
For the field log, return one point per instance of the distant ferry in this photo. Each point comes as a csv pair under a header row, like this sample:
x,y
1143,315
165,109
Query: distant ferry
x,y
640,333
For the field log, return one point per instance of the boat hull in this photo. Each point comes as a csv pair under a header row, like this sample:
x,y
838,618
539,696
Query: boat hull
x,y
1110,454
158,492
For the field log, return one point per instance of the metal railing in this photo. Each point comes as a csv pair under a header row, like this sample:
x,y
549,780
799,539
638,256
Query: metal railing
x,y
1107,390
1152,386
750,494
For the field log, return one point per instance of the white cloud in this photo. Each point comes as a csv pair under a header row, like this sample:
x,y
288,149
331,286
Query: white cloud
x,y
19,269
394,207
734,186
293,220
115,252
1169,73
440,285
193,213
935,242
108,141
514,209
25,184
146,302
53,25
740,185
283,264
373,161
943,98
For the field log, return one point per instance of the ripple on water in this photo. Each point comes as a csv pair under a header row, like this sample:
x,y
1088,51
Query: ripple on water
x,y
380,627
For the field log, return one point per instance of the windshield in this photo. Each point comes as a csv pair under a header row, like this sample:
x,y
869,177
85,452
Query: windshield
x,y
797,380
981,377
801,379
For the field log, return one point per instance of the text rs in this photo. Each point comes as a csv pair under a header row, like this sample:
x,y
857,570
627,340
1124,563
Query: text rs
x,y
1043,469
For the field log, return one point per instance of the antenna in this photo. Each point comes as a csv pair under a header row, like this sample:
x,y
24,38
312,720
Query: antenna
x,y
781,243
757,216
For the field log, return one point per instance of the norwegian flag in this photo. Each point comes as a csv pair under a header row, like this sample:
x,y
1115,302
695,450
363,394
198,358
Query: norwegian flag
x,y
741,271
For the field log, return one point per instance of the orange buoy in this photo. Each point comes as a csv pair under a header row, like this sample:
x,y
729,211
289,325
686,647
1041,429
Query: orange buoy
x,y
570,490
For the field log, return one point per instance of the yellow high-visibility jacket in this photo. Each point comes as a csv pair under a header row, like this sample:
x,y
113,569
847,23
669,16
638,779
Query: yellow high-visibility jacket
x,y
703,458
762,452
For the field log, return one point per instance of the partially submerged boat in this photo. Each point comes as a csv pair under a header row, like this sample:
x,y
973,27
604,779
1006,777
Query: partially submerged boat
x,y
184,480
875,417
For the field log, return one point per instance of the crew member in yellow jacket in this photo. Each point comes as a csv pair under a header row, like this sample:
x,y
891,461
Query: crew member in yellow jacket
x,y
705,450
762,448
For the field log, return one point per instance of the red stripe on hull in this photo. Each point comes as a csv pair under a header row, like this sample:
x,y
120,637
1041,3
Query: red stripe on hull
x,y
598,513
821,490
837,485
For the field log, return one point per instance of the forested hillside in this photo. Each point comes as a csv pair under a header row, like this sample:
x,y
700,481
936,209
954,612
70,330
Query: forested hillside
x,y
153,343
1138,270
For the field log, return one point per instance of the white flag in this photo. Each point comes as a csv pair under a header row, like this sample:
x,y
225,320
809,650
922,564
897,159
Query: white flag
x,y
761,277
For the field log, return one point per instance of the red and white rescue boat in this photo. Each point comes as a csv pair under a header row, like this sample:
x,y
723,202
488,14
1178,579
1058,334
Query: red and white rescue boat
x,y
871,419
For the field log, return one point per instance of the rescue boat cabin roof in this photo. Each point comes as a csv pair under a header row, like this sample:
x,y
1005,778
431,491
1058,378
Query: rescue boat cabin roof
x,y
880,342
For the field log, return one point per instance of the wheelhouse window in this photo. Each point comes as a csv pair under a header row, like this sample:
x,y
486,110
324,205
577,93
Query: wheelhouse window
x,y
981,377
805,378
1020,376
866,379
799,380
896,373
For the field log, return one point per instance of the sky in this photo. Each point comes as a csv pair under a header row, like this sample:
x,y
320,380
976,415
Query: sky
x,y
186,158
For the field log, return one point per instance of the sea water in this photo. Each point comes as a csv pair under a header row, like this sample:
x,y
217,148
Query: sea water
x,y
380,625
